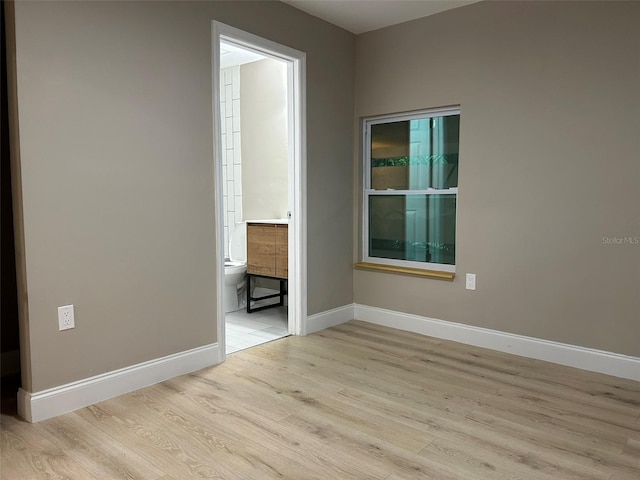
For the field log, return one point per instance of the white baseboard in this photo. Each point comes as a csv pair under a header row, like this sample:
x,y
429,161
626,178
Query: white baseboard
x,y
9,363
38,406
329,318
610,363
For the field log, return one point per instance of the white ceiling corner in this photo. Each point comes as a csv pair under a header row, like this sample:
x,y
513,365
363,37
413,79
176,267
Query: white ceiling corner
x,y
360,16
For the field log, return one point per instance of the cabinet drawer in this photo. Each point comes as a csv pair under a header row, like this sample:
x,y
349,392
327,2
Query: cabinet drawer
x,y
268,249
261,249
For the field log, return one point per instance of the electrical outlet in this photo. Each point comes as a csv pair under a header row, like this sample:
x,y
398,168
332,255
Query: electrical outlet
x,y
66,318
471,281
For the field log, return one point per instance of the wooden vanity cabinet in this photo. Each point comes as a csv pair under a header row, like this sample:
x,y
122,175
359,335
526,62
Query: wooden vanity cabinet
x,y
267,249
282,251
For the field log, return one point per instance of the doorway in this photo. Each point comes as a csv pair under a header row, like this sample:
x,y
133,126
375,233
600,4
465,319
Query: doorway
x,y
10,371
238,54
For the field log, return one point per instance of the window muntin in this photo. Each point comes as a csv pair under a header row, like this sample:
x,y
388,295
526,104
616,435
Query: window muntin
x,y
411,187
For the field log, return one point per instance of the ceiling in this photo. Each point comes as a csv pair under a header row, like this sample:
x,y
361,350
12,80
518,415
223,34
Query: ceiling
x,y
359,16
356,16
231,55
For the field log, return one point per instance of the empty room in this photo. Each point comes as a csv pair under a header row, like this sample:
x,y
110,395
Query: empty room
x,y
456,247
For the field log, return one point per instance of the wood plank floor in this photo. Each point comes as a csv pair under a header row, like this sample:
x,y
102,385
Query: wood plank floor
x,y
357,401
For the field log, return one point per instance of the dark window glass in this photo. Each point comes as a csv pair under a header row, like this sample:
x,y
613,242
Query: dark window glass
x,y
415,154
419,228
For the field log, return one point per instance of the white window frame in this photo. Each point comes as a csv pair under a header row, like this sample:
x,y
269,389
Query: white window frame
x,y
368,191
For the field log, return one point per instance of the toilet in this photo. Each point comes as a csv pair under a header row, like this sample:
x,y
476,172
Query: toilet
x,y
235,268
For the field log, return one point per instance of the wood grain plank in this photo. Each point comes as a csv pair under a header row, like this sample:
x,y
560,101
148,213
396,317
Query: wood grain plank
x,y
34,465
98,453
32,454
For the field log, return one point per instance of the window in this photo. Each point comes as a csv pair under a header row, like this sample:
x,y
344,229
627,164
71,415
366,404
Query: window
x,y
411,189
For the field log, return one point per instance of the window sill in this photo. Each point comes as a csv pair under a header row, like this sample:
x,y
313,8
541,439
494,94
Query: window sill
x,y
417,272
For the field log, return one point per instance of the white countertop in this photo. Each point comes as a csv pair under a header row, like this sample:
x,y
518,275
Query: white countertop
x,y
283,221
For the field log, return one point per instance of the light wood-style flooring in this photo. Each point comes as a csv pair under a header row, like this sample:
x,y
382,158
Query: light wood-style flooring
x,y
357,401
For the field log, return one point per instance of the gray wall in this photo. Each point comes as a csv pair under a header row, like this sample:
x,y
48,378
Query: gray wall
x,y
549,142
263,120
117,177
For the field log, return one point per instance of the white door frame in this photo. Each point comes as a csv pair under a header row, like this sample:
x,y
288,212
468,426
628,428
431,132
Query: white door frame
x,y
297,162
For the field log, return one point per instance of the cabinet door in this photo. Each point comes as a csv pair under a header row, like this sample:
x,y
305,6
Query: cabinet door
x,y
261,249
282,251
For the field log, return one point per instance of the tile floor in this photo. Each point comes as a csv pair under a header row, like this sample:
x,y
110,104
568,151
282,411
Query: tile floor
x,y
244,330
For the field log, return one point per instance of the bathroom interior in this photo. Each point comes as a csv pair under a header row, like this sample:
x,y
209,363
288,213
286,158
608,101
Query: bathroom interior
x,y
253,110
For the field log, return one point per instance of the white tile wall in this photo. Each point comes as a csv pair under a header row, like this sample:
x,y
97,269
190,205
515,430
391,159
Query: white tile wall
x,y
231,155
